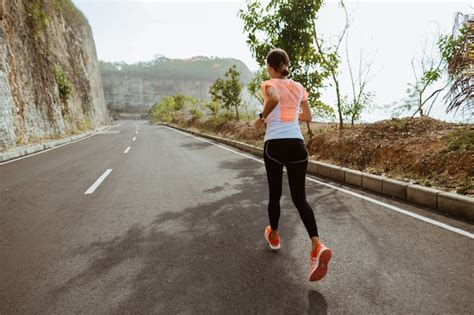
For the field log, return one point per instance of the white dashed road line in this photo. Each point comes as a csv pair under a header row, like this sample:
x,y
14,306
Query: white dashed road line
x,y
98,182
134,138
126,150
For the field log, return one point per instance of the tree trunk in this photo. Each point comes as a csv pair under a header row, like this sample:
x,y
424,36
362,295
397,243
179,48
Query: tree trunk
x,y
309,130
237,113
338,94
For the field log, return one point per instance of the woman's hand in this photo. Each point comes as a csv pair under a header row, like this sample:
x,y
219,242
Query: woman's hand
x,y
259,123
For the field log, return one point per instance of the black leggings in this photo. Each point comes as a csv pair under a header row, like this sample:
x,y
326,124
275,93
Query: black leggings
x,y
291,153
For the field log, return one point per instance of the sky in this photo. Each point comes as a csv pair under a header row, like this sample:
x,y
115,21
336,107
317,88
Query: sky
x,y
387,33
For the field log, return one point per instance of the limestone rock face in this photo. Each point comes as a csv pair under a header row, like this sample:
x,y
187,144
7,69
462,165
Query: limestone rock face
x,y
126,91
136,87
50,82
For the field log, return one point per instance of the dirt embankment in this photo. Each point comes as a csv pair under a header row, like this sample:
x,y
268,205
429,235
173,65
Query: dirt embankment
x,y
419,150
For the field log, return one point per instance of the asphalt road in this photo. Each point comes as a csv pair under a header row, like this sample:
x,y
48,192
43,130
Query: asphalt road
x,y
177,227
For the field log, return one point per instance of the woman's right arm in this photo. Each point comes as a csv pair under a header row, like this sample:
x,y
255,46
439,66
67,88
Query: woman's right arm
x,y
271,101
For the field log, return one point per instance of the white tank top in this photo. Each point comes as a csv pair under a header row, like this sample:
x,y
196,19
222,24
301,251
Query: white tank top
x,y
282,122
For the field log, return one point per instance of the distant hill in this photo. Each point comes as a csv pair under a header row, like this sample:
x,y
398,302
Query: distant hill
x,y
195,68
135,87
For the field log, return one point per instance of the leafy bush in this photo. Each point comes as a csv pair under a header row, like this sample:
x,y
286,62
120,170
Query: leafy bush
x,y
85,124
468,185
61,5
163,110
195,113
218,120
461,140
64,87
213,107
398,123
173,108
364,158
249,116
424,182
39,18
68,9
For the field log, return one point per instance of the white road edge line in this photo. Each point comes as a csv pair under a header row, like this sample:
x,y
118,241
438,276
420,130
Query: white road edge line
x,y
136,132
98,182
126,150
134,138
380,203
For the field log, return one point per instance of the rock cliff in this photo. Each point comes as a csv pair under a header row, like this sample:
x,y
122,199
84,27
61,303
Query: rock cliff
x,y
136,87
129,92
50,82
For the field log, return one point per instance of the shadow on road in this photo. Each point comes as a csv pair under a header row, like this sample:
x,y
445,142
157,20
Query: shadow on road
x,y
196,145
317,304
210,257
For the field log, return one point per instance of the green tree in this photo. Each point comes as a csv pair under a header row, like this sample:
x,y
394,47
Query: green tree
x,y
431,71
361,98
183,103
227,91
457,52
288,24
163,110
254,86
352,108
330,61
168,108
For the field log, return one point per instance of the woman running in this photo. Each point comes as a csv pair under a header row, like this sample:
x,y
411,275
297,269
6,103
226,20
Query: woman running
x,y
284,146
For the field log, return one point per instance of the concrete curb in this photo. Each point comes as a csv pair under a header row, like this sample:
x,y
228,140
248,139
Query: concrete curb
x,y
457,205
34,148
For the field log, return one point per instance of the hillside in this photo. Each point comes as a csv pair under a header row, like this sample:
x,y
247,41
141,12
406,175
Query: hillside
x,y
135,87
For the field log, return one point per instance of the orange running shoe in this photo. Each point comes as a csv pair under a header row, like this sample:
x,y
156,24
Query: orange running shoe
x,y
319,262
274,244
